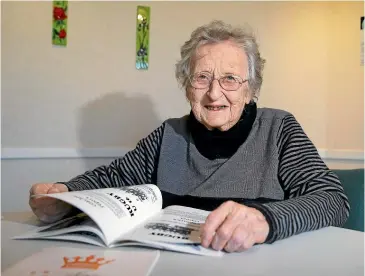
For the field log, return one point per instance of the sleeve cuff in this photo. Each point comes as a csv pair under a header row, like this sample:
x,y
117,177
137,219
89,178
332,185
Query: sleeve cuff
x,y
69,187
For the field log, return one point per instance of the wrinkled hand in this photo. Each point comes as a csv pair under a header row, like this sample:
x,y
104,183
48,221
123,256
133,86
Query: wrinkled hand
x,y
234,227
48,209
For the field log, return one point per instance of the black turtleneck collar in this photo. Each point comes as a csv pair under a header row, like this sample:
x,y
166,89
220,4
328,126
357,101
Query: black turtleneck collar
x,y
222,144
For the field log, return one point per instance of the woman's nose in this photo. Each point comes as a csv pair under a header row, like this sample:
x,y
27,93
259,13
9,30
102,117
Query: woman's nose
x,y
215,90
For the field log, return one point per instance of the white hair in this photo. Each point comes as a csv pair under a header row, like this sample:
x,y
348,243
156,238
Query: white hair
x,y
216,32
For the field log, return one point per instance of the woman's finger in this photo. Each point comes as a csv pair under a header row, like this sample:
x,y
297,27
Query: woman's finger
x,y
57,188
247,243
40,202
40,188
58,207
227,229
213,221
237,239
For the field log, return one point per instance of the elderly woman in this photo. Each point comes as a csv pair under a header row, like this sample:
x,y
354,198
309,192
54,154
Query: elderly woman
x,y
254,168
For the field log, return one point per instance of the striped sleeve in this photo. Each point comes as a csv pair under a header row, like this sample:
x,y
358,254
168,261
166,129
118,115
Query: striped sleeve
x,y
314,196
138,166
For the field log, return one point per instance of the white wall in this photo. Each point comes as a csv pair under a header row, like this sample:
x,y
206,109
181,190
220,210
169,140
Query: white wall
x,y
17,175
89,94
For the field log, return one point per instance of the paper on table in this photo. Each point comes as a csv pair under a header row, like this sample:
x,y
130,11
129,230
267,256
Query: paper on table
x,y
62,261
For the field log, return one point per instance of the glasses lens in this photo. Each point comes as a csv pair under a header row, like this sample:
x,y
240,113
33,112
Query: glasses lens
x,y
229,83
200,80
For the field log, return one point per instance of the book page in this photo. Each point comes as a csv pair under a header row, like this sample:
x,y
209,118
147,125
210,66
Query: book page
x,y
176,247
78,237
174,224
176,228
116,210
85,262
80,226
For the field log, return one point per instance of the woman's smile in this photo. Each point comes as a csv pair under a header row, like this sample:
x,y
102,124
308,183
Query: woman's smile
x,y
216,107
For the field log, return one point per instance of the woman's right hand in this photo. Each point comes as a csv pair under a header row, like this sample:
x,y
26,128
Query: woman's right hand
x,y
48,209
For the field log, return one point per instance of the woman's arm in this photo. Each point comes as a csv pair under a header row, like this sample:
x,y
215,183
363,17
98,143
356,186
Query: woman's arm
x,y
314,196
138,166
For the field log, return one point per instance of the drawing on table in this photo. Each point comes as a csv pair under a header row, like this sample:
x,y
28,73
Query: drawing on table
x,y
90,262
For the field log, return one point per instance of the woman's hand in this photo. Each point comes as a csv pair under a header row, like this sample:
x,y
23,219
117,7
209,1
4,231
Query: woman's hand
x,y
234,227
45,208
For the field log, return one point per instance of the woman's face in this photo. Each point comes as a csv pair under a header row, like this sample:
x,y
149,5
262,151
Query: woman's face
x,y
214,106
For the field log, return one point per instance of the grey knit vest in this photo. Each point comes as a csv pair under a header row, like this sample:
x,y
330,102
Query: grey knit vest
x,y
252,172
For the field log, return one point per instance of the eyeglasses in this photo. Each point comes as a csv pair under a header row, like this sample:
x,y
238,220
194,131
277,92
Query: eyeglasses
x,y
204,80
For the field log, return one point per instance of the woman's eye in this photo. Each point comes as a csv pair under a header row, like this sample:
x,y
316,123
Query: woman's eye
x,y
230,79
202,78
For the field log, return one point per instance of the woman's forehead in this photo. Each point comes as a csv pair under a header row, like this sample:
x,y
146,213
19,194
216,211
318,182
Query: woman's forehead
x,y
225,55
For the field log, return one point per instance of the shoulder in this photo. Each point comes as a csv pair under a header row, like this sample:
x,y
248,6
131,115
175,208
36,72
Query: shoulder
x,y
265,113
176,121
171,124
277,119
178,125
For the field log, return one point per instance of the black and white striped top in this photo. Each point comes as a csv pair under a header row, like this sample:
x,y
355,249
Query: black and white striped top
x,y
276,170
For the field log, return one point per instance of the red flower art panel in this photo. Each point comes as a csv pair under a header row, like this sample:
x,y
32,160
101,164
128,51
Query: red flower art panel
x,y
59,25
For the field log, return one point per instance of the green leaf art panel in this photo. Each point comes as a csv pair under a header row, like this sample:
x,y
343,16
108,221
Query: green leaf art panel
x,y
59,23
142,39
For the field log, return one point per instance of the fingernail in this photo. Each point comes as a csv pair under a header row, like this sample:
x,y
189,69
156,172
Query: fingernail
x,y
229,247
215,242
203,241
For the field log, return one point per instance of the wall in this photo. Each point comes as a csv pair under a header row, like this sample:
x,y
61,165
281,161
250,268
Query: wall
x,y
88,98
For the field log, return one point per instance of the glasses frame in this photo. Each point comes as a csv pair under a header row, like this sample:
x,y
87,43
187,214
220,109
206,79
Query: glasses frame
x,y
240,81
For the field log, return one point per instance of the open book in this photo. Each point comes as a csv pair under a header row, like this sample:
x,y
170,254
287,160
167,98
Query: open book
x,y
127,216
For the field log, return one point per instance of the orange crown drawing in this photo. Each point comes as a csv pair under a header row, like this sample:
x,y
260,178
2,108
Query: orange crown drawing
x,y
90,262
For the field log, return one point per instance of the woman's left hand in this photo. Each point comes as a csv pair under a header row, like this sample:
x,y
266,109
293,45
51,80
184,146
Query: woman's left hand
x,y
234,227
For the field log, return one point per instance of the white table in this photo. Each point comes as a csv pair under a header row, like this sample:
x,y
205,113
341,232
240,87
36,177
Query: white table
x,y
329,251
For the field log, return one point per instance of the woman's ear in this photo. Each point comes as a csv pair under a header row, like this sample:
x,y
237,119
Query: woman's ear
x,y
188,92
248,96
